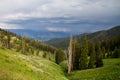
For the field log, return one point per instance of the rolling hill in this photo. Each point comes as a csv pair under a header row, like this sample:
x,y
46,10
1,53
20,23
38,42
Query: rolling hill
x,y
96,36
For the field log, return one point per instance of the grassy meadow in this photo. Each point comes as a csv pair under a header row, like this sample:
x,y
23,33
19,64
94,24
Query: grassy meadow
x,y
16,66
110,71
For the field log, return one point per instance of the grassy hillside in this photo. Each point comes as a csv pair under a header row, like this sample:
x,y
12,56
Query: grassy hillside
x,y
110,71
16,66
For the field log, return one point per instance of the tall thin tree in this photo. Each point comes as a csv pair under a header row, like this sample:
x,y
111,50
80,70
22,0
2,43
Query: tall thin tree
x,y
70,54
99,55
84,53
92,56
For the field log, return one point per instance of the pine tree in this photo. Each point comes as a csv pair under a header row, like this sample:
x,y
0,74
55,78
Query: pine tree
x,y
116,53
76,56
92,56
59,56
99,55
104,52
84,54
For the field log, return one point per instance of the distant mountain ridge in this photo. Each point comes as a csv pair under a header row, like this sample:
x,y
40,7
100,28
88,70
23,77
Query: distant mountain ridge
x,y
96,36
40,35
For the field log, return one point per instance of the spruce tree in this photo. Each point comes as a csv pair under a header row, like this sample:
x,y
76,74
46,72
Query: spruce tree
x,y
76,56
116,53
99,55
84,54
92,56
59,56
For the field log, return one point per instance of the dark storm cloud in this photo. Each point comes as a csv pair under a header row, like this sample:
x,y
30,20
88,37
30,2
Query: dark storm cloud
x,y
60,15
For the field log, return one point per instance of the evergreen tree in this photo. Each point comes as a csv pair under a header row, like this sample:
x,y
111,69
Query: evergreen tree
x,y
104,52
92,56
116,53
84,54
76,56
44,55
99,55
59,56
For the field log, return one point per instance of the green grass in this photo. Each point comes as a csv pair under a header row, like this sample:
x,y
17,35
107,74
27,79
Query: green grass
x,y
110,71
16,66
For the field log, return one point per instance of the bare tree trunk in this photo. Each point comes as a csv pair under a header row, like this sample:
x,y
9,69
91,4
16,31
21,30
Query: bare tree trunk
x,y
70,53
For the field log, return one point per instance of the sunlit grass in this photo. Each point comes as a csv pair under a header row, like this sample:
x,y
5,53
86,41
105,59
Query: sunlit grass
x,y
110,71
16,66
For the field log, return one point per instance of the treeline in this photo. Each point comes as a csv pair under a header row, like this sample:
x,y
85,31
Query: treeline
x,y
27,46
111,47
89,54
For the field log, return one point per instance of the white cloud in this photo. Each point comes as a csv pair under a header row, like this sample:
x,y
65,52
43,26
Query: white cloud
x,y
58,8
9,26
57,29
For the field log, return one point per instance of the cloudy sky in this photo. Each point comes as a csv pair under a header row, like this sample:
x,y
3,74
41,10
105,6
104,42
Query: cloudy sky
x,y
60,15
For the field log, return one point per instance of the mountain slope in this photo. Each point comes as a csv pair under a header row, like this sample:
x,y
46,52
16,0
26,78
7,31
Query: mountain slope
x,y
40,35
96,36
16,66
27,46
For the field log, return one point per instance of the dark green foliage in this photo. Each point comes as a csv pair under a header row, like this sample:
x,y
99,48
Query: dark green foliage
x,y
84,54
109,46
59,56
104,52
44,55
76,56
92,56
99,62
116,53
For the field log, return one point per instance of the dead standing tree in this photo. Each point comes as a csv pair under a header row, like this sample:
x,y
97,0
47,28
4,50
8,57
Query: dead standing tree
x,y
70,56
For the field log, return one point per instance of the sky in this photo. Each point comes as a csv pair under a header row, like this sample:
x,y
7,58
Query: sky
x,y
60,15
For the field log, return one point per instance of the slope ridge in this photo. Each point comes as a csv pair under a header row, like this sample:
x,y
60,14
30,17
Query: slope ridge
x,y
95,36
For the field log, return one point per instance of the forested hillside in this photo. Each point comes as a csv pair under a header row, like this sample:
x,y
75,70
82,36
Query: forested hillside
x,y
96,36
27,46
